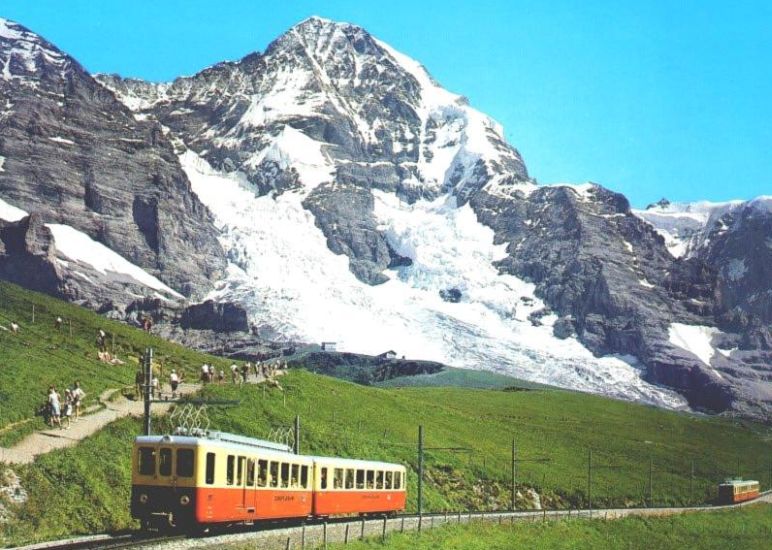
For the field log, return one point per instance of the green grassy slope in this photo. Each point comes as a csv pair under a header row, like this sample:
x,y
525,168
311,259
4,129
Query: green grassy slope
x,y
747,528
40,356
462,378
86,488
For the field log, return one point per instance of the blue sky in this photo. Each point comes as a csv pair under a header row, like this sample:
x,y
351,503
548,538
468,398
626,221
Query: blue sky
x,y
649,98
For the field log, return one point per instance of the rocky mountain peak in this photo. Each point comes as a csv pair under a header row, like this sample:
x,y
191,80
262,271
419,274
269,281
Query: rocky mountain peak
x,y
27,58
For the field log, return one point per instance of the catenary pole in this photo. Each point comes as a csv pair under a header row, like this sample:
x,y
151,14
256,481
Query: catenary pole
x,y
514,475
420,470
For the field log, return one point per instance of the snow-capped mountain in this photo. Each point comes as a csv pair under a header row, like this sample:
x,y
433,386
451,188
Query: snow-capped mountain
x,y
358,201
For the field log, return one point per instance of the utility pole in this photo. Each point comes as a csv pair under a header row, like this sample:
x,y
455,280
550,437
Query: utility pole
x,y
420,470
148,367
514,474
297,434
589,480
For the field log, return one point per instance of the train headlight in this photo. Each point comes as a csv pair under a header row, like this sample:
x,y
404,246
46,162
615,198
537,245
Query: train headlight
x,y
184,500
143,498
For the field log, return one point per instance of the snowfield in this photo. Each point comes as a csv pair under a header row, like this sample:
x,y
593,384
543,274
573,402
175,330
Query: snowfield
x,y
294,287
694,339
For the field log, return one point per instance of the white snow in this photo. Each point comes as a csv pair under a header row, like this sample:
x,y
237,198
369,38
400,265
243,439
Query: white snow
x,y
60,139
645,283
694,339
2,163
10,213
79,247
293,149
27,48
282,270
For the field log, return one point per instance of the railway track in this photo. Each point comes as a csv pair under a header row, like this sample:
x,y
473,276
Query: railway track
x,y
314,533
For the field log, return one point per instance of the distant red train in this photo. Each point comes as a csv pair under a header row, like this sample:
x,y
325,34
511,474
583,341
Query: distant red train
x,y
189,481
737,490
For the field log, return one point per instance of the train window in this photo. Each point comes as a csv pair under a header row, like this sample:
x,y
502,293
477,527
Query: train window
x,y
304,477
185,462
285,468
250,472
146,461
324,478
398,480
370,479
240,471
230,469
349,479
379,480
274,474
295,478
165,462
210,468
262,473
360,479
337,478
388,480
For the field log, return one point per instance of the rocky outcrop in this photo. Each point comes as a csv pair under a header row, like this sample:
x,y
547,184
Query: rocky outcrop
x,y
218,317
28,256
75,155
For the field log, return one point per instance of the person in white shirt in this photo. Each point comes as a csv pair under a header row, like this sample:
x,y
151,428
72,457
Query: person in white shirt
x,y
174,381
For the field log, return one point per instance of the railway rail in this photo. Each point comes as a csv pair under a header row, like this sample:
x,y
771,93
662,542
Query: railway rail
x,y
315,533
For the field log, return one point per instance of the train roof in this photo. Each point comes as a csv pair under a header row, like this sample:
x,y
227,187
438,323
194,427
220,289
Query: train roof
x,y
734,482
268,448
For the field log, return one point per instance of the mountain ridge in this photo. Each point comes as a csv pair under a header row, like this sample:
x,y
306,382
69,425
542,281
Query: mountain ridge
x,y
344,150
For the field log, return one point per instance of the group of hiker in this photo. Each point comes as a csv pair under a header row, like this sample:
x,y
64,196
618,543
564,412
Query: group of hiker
x,y
58,411
240,374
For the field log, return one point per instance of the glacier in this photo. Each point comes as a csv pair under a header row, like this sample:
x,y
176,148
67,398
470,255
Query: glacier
x,y
294,287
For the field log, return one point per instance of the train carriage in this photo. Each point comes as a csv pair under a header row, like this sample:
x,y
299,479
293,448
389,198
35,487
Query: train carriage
x,y
214,477
344,486
733,491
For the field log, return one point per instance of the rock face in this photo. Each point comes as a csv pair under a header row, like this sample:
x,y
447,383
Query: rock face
x,y
74,154
358,200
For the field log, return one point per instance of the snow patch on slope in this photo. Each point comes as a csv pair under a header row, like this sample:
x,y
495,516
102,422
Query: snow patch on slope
x,y
282,271
10,213
79,247
695,339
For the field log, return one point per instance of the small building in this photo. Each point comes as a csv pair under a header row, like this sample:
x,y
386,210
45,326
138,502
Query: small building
x,y
391,354
329,346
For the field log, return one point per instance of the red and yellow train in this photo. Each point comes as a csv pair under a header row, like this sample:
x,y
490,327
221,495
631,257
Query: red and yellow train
x,y
733,491
189,481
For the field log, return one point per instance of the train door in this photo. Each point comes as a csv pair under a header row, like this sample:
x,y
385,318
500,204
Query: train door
x,y
250,494
241,466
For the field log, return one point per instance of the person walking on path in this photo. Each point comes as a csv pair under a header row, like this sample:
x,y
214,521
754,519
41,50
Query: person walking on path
x,y
55,406
77,399
234,373
139,382
67,410
174,381
58,323
244,372
221,376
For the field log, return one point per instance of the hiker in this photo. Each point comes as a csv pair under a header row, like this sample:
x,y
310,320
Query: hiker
x,y
77,399
14,327
204,373
58,323
221,377
211,373
244,372
54,405
155,390
147,323
234,373
256,368
174,381
101,340
67,410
